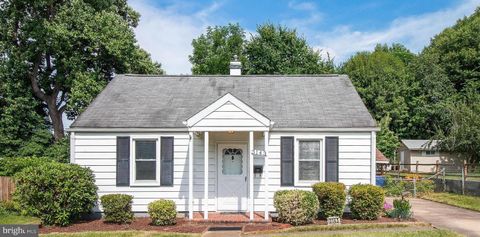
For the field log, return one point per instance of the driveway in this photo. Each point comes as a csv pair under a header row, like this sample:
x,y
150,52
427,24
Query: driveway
x,y
463,221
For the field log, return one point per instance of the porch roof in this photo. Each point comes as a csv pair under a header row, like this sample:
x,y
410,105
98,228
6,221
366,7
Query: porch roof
x,y
308,101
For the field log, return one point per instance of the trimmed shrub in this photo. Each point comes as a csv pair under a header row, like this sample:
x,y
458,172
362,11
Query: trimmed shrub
x,y
56,193
117,208
9,166
366,201
163,212
331,197
401,209
296,207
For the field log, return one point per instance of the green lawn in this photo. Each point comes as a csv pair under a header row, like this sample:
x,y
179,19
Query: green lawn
x,y
121,234
419,233
464,201
17,219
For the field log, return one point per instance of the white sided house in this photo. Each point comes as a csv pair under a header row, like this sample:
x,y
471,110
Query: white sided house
x,y
224,143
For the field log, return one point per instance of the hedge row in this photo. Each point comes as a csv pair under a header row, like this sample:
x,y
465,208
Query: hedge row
x,y
328,199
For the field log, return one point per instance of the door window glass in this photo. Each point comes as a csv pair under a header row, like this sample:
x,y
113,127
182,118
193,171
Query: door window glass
x,y
232,161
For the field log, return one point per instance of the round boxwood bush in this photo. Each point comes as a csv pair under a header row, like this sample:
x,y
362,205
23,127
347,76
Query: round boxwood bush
x,y
57,193
117,208
331,197
163,212
366,201
296,207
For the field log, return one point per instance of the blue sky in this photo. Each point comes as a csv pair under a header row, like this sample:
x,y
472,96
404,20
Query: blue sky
x,y
340,28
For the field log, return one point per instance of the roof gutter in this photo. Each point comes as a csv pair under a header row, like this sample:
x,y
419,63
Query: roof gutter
x,y
185,129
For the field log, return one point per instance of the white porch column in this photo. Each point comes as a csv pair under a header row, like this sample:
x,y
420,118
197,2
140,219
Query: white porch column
x,y
205,167
190,176
266,139
250,174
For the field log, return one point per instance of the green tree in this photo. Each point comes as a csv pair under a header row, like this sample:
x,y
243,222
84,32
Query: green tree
x,y
213,51
448,71
462,135
280,50
60,45
385,84
387,140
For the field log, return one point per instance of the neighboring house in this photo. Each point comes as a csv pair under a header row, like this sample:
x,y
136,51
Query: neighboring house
x,y
426,153
383,163
157,137
380,158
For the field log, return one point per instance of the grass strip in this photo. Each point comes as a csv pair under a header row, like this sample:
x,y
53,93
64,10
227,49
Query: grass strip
x,y
362,226
463,201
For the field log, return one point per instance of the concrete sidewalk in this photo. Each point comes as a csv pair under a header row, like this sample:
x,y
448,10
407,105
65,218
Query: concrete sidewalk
x,y
460,220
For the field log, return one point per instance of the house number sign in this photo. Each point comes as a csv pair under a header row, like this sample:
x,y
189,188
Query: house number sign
x,y
259,153
333,220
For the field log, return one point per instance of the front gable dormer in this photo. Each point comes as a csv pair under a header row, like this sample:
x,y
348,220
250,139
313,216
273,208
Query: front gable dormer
x,y
228,113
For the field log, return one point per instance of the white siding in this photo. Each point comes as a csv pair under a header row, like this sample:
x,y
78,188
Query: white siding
x,y
229,115
98,151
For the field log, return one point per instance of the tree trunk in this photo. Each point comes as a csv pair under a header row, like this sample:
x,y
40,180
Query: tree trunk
x,y
55,115
54,112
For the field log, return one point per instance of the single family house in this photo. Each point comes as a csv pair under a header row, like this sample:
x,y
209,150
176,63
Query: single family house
x,y
426,154
224,143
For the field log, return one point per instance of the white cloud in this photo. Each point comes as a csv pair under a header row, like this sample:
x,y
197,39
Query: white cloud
x,y
305,6
414,32
167,34
311,16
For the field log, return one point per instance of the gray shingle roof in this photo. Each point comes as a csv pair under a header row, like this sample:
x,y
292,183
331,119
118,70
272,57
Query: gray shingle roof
x,y
418,144
136,101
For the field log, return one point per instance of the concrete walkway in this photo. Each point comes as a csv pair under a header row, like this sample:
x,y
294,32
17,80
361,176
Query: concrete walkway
x,y
444,216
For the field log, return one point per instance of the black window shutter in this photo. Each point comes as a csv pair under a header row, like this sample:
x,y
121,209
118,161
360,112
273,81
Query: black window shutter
x,y
286,159
331,155
166,161
123,161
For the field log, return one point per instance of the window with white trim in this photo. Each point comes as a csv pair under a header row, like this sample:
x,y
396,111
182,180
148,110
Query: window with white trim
x,y
146,161
309,160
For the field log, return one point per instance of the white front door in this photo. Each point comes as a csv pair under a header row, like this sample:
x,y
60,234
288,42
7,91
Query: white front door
x,y
232,177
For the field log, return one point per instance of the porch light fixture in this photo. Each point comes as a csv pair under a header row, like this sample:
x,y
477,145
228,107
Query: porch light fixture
x,y
231,132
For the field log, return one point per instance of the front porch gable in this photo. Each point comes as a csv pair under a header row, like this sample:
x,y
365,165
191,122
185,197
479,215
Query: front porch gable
x,y
228,113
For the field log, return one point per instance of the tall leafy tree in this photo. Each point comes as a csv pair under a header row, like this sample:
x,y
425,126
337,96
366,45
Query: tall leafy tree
x,y
272,50
65,47
385,83
213,50
20,122
387,140
280,50
462,134
448,71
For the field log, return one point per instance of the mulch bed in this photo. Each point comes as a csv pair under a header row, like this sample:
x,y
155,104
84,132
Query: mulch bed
x,y
185,226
